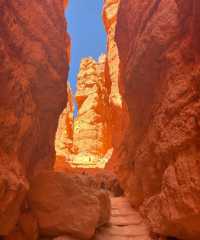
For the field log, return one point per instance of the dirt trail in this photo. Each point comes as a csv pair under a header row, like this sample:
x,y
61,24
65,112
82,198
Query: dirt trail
x,y
125,224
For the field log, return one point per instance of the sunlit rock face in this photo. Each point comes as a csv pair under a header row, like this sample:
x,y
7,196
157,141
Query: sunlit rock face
x,y
64,134
91,134
33,73
159,52
118,120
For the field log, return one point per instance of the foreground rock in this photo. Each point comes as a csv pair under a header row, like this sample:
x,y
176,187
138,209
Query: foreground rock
x,y
159,51
65,204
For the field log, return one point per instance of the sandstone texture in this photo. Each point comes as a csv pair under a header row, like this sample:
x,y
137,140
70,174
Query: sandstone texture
x,y
118,117
27,228
64,134
91,137
159,52
33,74
66,204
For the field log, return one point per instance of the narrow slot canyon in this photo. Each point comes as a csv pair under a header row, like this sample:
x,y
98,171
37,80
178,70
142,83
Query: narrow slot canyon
x,y
116,157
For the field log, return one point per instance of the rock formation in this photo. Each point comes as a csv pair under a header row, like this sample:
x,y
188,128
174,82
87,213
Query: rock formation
x,y
64,135
102,116
158,44
33,74
73,206
91,133
118,120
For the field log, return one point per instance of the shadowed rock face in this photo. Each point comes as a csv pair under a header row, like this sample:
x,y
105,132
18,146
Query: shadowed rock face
x,y
159,53
32,95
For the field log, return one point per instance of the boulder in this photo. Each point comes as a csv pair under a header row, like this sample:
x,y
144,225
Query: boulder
x,y
65,204
105,207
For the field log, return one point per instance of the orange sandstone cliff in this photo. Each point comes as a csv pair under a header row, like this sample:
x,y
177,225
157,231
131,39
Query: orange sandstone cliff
x,y
33,75
91,138
118,117
159,52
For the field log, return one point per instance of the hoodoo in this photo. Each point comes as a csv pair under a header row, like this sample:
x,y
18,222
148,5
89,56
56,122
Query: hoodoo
x,y
91,123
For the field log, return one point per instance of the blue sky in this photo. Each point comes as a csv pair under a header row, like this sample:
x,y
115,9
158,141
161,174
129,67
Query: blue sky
x,y
87,33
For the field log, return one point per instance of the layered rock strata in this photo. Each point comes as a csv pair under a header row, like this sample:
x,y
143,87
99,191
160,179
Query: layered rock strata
x,y
91,138
33,74
159,64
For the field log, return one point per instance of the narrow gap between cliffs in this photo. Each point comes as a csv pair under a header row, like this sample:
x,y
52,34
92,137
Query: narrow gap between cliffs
x,y
83,143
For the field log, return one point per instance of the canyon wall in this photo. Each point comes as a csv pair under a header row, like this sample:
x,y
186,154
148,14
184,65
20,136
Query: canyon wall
x,y
118,116
159,52
33,76
91,139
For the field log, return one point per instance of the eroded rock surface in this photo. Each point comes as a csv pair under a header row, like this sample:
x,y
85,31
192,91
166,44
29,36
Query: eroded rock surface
x,y
33,74
118,117
159,64
91,133
64,134
26,229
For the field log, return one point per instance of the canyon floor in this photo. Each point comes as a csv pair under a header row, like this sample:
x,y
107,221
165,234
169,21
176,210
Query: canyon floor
x,y
125,224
